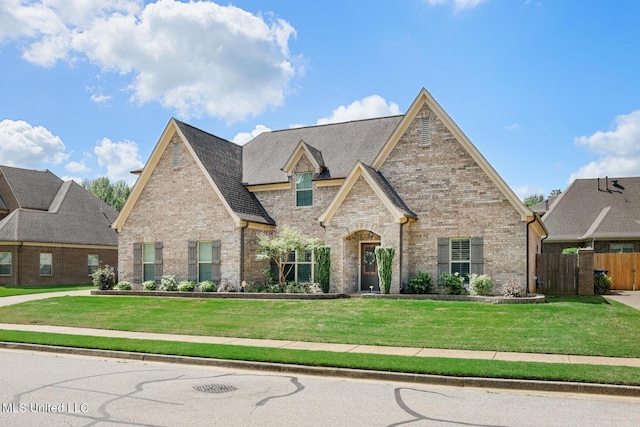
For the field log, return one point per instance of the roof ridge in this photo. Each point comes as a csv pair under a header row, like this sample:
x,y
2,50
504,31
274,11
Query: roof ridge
x,y
60,196
596,223
331,124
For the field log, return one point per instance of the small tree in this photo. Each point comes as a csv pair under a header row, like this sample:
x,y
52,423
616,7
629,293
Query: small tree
x,y
277,249
323,258
533,199
384,258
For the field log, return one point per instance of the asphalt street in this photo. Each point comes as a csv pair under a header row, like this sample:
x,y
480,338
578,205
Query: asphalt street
x,y
42,389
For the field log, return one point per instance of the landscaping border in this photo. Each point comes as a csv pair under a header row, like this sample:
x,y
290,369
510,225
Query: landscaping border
x,y
532,299
227,295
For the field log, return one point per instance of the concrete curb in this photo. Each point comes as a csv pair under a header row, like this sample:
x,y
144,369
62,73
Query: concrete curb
x,y
496,383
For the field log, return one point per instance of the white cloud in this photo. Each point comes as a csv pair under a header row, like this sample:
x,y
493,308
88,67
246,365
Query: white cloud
x,y
371,106
458,4
244,137
75,167
27,146
100,99
527,190
195,58
120,158
514,127
619,149
77,179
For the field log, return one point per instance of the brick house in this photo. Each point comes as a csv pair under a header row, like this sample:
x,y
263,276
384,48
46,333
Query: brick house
x,y
414,182
52,232
601,213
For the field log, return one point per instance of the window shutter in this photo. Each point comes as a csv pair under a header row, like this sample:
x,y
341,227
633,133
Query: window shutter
x,y
443,255
215,261
158,263
192,273
137,263
477,259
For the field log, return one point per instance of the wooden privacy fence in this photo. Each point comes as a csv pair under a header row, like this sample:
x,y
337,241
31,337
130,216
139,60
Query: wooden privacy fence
x,y
557,274
623,269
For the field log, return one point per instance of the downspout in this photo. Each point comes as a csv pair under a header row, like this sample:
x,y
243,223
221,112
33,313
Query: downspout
x,y
526,288
402,224
244,227
19,265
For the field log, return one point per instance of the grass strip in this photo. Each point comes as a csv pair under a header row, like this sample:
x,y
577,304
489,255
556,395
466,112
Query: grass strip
x,y
10,291
435,366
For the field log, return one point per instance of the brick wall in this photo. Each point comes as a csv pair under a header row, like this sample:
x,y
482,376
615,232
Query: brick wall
x,y
178,205
585,272
69,265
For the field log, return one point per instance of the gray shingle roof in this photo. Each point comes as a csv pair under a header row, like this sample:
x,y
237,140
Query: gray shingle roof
x,y
3,205
584,211
32,189
341,145
75,217
390,192
223,161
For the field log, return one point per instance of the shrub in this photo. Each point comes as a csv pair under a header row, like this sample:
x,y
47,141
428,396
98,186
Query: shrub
x,y
420,284
453,283
186,286
168,283
512,289
123,286
273,288
207,286
323,272
104,278
602,284
254,287
480,285
568,251
149,285
315,288
227,287
296,288
384,258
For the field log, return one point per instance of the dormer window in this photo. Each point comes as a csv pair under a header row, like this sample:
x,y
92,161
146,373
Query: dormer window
x,y
304,189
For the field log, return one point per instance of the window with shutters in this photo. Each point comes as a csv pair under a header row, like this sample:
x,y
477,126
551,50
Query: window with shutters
x,y
46,264
148,261
304,189
463,256
460,257
300,267
205,254
5,263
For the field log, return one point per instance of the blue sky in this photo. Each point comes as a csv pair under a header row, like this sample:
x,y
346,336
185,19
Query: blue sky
x,y
547,90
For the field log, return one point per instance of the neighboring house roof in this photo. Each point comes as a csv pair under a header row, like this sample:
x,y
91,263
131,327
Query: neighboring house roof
x,y
596,209
544,206
3,205
340,145
32,189
223,162
74,216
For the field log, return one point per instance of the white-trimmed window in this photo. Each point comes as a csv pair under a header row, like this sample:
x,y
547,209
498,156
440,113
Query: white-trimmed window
x,y
460,257
205,257
300,267
621,248
5,263
148,261
93,262
46,264
304,189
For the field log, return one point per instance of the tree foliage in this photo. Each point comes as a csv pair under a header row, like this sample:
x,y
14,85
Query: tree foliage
x,y
533,199
323,258
114,194
277,248
384,258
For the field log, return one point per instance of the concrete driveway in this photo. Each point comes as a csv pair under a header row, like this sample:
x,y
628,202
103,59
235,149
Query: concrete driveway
x,y
630,298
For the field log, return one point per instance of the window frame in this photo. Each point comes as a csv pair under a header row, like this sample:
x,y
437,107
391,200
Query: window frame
x,y
296,262
10,264
622,247
459,260
91,270
145,263
200,262
304,190
43,264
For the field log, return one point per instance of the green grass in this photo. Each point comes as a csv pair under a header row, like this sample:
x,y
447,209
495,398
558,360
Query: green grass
x,y
10,291
575,325
433,366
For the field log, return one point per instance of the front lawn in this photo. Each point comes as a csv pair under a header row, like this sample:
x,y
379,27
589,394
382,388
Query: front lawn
x,y
10,291
569,325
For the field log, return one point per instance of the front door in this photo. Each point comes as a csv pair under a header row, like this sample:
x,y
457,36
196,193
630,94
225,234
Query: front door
x,y
368,268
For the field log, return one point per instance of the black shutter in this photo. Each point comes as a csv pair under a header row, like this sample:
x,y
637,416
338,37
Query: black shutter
x,y
192,273
215,261
137,263
158,262
443,255
477,258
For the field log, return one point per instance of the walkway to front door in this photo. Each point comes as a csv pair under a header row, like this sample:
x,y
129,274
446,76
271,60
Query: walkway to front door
x,y
368,267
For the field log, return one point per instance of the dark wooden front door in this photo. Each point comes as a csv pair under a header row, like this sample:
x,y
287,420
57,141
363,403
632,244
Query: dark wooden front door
x,y
368,267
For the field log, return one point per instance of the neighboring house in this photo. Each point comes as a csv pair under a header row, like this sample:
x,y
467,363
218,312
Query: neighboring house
x,y
52,232
414,182
602,213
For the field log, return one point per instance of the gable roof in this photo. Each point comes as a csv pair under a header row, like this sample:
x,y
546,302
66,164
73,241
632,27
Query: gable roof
x,y
221,162
313,154
589,209
32,189
381,187
75,216
341,145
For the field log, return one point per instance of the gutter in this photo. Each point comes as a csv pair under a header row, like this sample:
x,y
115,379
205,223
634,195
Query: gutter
x,y
526,288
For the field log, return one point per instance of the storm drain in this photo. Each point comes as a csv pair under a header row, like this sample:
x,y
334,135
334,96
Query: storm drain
x,y
215,388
